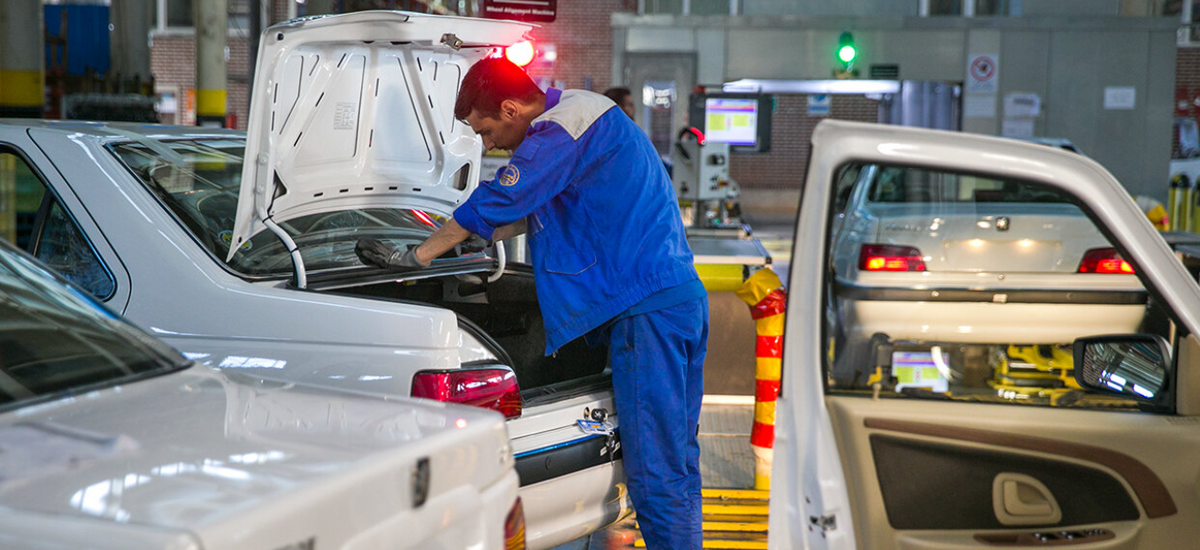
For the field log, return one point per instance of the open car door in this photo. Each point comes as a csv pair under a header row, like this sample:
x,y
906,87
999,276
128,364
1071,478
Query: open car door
x,y
913,416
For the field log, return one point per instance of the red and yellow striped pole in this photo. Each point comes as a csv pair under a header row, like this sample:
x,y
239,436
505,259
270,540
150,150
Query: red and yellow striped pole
x,y
768,304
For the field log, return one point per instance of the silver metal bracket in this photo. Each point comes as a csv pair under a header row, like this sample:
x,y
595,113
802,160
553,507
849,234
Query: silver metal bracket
x,y
453,41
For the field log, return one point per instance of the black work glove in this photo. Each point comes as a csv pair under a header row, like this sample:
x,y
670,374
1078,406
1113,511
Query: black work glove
x,y
373,252
473,244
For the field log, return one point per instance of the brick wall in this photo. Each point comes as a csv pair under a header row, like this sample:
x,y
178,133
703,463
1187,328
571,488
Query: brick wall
x,y
583,41
173,63
1187,88
783,167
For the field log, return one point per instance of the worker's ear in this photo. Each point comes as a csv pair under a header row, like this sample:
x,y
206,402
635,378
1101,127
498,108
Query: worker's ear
x,y
509,109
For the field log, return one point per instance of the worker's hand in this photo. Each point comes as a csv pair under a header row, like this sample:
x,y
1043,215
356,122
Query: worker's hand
x,y
473,244
373,252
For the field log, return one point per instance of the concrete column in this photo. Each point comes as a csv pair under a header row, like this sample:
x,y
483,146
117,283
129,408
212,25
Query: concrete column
x,y
977,106
22,77
211,18
130,44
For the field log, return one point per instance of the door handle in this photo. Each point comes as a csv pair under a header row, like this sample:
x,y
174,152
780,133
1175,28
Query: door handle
x,y
1018,499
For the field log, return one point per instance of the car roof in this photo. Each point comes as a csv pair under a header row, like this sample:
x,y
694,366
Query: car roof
x,y
1061,143
122,130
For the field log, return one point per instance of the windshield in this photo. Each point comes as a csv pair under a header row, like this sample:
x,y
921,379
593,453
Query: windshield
x,y
55,339
199,182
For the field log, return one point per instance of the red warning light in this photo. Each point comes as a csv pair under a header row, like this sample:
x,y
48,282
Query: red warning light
x,y
520,53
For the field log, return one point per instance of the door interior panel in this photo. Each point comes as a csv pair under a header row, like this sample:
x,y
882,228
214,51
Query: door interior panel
x,y
930,485
921,474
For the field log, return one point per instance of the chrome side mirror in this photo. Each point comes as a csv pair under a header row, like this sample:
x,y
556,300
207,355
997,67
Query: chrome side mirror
x,y
1130,365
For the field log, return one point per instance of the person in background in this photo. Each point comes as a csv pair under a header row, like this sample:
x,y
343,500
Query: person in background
x,y
622,97
611,264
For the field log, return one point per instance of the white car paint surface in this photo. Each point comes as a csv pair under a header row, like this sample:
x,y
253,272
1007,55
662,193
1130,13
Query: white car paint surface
x,y
351,135
109,439
981,440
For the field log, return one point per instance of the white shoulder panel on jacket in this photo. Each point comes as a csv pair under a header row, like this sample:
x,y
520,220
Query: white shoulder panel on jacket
x,y
576,111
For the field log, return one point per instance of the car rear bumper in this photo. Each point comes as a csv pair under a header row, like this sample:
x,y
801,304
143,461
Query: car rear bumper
x,y
571,506
1029,322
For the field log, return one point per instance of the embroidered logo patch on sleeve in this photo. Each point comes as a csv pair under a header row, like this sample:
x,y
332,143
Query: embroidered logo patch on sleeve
x,y
508,176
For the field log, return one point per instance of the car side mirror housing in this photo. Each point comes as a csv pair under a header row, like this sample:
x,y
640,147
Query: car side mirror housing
x,y
1130,365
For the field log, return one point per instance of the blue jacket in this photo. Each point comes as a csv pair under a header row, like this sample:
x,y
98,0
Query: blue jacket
x,y
603,220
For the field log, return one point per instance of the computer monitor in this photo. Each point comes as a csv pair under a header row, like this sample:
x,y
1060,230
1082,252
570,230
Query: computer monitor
x,y
741,120
731,120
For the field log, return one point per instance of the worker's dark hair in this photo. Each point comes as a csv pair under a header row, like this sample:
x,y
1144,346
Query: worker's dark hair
x,y
617,94
491,81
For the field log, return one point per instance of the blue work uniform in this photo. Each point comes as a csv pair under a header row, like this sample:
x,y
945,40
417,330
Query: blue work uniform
x,y
611,261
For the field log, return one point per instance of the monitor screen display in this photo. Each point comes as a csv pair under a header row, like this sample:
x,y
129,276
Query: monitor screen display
x,y
732,121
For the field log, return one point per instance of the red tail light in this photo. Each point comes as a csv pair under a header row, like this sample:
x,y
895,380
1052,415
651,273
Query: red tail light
x,y
886,257
514,528
1104,260
490,388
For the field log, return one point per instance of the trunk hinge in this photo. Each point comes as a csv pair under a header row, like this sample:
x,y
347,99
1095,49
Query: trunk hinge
x,y
297,259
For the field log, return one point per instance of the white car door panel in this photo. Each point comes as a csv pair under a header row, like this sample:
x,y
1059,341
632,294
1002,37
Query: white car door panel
x,y
979,440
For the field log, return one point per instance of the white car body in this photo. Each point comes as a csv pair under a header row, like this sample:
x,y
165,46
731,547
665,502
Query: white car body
x,y
1100,472
180,456
372,93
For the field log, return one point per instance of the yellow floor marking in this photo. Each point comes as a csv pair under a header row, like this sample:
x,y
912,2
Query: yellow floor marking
x,y
721,544
735,519
735,493
735,509
760,526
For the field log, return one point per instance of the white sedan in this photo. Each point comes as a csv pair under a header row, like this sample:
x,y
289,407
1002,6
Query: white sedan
x,y
351,135
111,440
927,255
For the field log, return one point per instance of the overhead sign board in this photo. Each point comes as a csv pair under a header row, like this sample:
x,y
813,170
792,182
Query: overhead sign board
x,y
530,11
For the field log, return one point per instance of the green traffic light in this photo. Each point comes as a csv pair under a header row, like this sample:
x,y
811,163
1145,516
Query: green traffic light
x,y
846,51
846,54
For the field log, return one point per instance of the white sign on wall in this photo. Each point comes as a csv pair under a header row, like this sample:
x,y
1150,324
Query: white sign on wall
x,y
1018,105
983,71
1120,97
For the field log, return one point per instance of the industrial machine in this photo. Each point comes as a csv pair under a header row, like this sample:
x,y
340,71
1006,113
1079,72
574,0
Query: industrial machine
x,y
700,174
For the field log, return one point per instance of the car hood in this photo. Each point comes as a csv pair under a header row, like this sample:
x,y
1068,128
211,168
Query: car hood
x,y
217,456
357,111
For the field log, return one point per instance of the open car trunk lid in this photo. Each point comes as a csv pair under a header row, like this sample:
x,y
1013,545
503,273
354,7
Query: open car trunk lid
x,y
357,112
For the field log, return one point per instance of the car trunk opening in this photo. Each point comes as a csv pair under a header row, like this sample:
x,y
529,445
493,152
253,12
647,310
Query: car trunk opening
x,y
504,314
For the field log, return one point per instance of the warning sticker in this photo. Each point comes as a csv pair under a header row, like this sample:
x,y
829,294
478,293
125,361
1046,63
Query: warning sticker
x,y
982,73
345,115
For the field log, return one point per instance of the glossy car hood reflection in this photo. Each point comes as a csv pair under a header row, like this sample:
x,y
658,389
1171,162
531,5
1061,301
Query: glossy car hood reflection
x,y
357,111
196,449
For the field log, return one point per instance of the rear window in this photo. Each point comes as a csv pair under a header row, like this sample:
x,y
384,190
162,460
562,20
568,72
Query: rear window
x,y
198,181
902,184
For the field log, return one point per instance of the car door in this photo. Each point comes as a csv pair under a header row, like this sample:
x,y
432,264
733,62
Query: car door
x,y
968,438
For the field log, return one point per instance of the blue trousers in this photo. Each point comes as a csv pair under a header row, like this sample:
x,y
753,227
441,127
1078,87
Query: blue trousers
x,y
657,363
